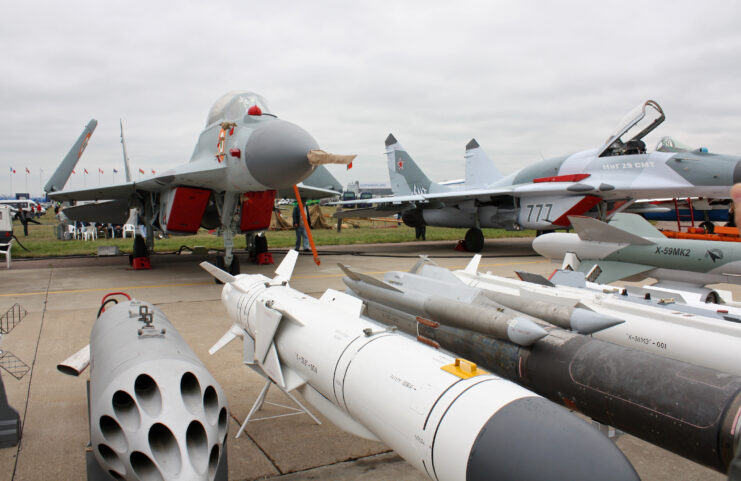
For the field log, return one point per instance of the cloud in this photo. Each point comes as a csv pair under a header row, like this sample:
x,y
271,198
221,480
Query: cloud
x,y
526,79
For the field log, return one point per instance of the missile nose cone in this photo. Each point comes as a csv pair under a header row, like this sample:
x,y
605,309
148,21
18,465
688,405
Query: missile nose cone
x,y
276,154
534,439
550,245
585,321
524,332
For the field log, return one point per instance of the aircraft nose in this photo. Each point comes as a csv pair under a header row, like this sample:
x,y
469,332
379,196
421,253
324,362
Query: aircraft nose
x,y
534,439
276,154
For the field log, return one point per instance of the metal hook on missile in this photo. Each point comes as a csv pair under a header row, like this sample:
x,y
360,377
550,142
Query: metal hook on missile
x,y
368,332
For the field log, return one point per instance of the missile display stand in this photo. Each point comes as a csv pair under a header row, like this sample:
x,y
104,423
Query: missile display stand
x,y
10,421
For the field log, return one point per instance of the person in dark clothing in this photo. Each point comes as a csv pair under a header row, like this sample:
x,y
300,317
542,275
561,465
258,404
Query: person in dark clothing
x,y
419,231
302,239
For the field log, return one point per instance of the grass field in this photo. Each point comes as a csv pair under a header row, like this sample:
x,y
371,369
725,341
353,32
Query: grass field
x,y
42,241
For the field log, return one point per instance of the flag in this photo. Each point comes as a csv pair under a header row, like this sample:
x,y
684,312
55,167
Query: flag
x,y
349,166
115,171
153,171
86,171
100,170
12,170
28,171
141,171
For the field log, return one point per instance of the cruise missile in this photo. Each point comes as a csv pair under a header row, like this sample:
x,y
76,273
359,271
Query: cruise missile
x,y
691,411
629,247
652,324
155,411
445,416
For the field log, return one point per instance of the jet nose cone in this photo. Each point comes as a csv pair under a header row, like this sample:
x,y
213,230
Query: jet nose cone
x,y
532,438
276,154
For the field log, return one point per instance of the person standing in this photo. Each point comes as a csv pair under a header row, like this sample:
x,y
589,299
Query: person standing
x,y
302,238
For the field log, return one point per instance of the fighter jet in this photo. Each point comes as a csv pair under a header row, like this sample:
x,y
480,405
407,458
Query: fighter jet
x,y
630,248
243,157
597,183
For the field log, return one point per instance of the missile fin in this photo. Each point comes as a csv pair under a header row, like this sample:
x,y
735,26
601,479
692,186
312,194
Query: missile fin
x,y
271,366
473,265
357,276
591,229
349,304
267,323
285,269
423,259
611,271
224,277
233,332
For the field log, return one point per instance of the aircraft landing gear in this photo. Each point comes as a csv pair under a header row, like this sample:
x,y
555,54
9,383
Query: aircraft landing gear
x,y
232,268
474,240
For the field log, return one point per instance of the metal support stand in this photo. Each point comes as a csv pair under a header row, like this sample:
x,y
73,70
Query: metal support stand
x,y
261,400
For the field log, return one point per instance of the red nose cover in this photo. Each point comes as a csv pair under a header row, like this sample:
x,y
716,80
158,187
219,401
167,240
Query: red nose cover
x,y
185,209
254,110
257,209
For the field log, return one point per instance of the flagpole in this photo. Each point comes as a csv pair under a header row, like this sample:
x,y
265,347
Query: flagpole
x,y
11,183
27,182
41,182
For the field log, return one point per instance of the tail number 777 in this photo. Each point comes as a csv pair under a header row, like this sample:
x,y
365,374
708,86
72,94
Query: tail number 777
x,y
539,208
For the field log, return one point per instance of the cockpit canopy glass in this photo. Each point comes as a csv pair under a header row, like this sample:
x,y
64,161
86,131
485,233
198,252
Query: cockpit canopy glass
x,y
629,133
234,105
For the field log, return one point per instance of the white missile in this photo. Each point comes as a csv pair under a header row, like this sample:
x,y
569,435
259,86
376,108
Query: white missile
x,y
649,326
443,415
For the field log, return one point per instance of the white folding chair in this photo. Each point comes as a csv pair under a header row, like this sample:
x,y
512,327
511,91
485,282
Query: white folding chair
x,y
5,250
93,229
72,231
129,228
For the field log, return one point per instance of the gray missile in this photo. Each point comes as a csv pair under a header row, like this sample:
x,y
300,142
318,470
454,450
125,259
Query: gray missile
x,y
573,318
155,411
501,323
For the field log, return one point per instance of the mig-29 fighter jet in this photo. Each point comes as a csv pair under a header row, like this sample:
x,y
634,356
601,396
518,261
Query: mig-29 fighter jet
x,y
597,183
243,158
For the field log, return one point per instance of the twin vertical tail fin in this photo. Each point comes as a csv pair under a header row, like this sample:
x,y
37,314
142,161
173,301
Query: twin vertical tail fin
x,y
61,175
405,175
480,170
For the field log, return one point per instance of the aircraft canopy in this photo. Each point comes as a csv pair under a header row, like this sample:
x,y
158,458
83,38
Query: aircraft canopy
x,y
234,105
642,119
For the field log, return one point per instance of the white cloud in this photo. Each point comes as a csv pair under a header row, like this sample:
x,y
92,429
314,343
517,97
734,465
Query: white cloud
x,y
525,78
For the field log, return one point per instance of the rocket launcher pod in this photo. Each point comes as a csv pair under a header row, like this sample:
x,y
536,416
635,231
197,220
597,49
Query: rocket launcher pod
x,y
446,417
692,411
155,411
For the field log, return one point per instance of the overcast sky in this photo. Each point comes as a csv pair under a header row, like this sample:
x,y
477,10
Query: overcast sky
x,y
527,79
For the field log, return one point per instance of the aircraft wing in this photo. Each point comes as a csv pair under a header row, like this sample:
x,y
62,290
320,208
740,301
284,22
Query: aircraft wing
x,y
520,190
187,175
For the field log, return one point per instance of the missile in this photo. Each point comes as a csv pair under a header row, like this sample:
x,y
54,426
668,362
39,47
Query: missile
x,y
499,322
155,411
445,416
651,325
691,411
629,247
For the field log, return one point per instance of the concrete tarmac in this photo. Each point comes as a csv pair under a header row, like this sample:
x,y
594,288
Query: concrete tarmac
x,y
62,297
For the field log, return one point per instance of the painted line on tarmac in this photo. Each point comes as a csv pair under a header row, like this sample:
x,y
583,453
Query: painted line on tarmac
x,y
159,286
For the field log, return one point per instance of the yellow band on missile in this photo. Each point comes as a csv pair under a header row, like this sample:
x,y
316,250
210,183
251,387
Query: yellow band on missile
x,y
463,369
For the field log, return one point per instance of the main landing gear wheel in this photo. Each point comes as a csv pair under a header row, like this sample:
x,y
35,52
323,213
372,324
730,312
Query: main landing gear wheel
x,y
234,267
474,240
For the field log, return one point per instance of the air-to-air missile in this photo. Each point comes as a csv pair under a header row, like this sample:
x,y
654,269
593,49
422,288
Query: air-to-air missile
x,y
155,411
689,410
446,417
630,247
651,324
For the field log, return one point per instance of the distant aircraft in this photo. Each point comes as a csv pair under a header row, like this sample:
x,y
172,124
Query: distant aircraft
x,y
597,183
243,158
630,248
